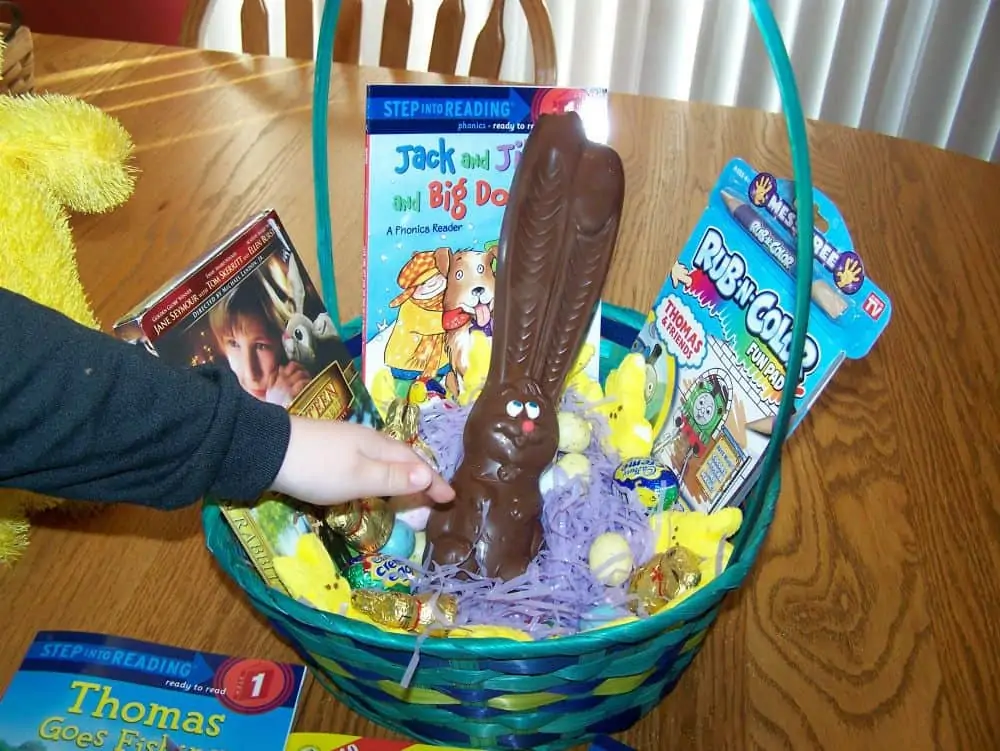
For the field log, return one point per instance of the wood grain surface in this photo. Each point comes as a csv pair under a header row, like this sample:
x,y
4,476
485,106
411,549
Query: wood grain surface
x,y
871,618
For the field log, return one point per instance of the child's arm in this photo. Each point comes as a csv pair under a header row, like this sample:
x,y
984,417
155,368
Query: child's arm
x,y
87,416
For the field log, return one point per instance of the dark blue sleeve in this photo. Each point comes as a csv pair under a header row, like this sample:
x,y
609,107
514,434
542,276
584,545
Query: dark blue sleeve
x,y
86,416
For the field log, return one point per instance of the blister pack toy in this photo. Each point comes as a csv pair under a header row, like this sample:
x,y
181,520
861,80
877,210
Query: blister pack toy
x,y
719,334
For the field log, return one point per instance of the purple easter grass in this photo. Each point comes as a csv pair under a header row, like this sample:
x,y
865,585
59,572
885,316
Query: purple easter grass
x,y
558,594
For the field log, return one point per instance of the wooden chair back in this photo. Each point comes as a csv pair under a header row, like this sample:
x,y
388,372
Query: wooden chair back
x,y
487,54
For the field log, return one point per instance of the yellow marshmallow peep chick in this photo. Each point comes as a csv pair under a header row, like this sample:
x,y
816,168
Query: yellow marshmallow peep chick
x,y
480,350
56,153
704,534
578,381
310,576
630,433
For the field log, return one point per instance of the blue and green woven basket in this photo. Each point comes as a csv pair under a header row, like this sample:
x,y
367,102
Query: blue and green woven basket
x,y
502,694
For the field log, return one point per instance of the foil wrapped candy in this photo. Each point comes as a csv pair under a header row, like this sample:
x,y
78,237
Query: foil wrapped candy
x,y
406,611
665,577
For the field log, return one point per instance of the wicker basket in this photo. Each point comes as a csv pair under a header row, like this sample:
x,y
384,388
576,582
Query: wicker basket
x,y
18,75
502,694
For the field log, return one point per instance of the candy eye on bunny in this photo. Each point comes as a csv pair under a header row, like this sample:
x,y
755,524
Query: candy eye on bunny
x,y
531,410
556,241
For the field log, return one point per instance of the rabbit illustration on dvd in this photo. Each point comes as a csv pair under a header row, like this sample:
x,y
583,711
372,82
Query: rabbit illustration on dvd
x,y
301,333
556,243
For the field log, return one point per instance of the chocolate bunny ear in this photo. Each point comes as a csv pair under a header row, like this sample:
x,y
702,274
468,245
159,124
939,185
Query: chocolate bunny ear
x,y
583,261
556,242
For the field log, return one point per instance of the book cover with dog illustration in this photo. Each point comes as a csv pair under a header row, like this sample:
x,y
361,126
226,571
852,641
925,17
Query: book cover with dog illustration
x,y
440,162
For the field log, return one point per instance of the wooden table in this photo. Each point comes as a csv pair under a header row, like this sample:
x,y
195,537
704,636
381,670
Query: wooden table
x,y
871,618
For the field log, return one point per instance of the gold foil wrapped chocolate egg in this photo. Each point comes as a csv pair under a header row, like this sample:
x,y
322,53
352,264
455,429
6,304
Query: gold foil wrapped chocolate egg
x,y
405,611
401,420
366,525
666,576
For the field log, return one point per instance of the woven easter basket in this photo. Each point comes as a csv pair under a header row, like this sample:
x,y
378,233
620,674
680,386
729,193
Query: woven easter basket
x,y
18,75
502,694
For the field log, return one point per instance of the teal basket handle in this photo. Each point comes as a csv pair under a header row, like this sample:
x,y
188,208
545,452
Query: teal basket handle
x,y
321,158
769,483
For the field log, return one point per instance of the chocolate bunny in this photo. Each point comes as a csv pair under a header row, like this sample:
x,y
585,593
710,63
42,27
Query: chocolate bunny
x,y
556,242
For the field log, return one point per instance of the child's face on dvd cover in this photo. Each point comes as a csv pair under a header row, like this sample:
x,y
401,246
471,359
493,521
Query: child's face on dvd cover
x,y
248,330
253,353
249,333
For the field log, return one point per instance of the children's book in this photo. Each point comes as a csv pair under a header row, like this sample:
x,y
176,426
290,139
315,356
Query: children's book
x,y
718,338
77,690
440,161
249,304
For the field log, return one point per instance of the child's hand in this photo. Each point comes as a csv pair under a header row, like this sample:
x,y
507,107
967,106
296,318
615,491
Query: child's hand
x,y
330,461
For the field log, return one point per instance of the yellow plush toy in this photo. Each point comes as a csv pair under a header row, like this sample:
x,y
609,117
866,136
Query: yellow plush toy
x,y
56,153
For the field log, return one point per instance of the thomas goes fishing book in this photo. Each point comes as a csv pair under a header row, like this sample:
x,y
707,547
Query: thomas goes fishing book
x,y
77,690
